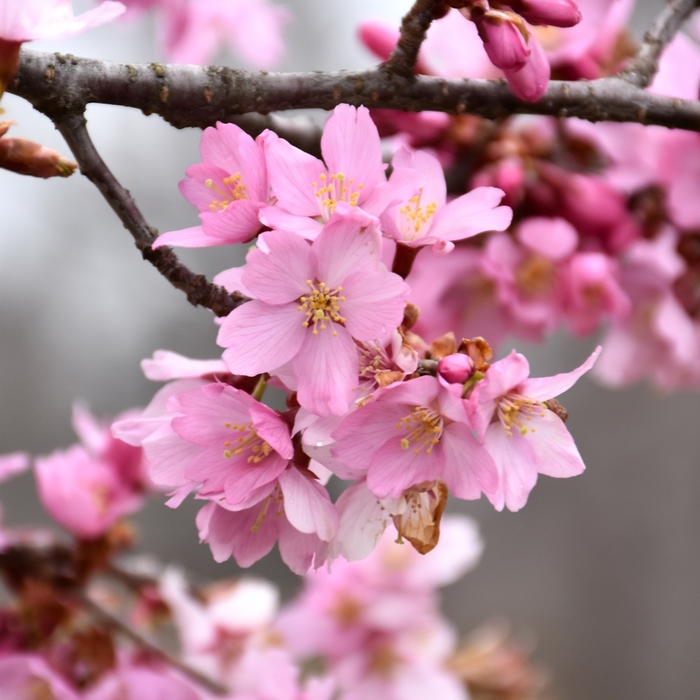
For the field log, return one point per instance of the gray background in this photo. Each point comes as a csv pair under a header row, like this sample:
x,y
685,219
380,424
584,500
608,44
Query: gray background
x,y
602,570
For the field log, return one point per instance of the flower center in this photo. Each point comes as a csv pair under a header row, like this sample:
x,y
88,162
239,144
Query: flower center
x,y
247,442
535,276
514,411
335,189
321,306
230,190
415,217
424,429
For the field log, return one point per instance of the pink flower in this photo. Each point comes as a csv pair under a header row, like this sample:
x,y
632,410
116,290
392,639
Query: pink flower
x,y
311,302
297,512
193,30
415,432
29,676
427,218
229,187
308,192
522,435
242,445
50,19
88,487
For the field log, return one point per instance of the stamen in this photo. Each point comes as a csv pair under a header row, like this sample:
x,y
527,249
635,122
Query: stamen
x,y
233,189
416,217
425,429
249,442
513,408
337,189
321,306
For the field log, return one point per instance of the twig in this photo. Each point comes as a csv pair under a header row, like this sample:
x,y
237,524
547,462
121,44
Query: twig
x,y
414,27
643,68
199,291
200,96
132,635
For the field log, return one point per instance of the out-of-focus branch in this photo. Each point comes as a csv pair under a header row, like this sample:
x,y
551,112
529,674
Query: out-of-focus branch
x,y
199,291
61,86
641,71
414,27
109,620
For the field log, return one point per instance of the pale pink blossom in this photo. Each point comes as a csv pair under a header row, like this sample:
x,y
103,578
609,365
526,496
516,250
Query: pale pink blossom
x,y
27,20
311,302
308,191
428,219
193,30
415,432
229,187
297,513
524,437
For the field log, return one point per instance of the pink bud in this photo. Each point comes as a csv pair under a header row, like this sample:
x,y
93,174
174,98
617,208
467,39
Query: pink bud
x,y
504,37
456,369
530,82
558,13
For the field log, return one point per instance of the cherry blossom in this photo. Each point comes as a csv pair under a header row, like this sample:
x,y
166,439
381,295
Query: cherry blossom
x,y
521,433
311,303
427,218
229,187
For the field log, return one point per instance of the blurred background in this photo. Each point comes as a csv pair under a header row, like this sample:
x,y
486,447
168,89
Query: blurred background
x,y
602,571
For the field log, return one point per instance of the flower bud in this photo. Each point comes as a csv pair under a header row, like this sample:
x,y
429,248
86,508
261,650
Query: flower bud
x,y
557,13
455,369
29,158
504,36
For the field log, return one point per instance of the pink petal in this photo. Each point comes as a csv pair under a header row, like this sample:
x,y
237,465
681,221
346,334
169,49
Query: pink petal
x,y
166,365
193,237
472,213
363,520
543,388
277,218
344,247
393,469
517,467
350,145
374,304
292,174
300,551
238,223
327,368
243,479
259,337
307,505
469,468
280,276
12,464
271,428
554,448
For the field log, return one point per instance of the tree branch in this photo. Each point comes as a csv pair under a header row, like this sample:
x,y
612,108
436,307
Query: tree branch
x,y
414,27
641,71
199,291
61,86
140,641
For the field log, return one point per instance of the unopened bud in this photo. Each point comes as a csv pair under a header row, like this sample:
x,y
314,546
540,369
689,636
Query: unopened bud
x,y
557,13
456,369
29,158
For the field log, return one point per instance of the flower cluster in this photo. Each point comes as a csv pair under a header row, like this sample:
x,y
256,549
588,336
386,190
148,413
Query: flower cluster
x,y
370,630
368,399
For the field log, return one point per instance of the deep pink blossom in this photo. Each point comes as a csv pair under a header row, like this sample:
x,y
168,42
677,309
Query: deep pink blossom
x,y
311,302
415,432
523,436
229,187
